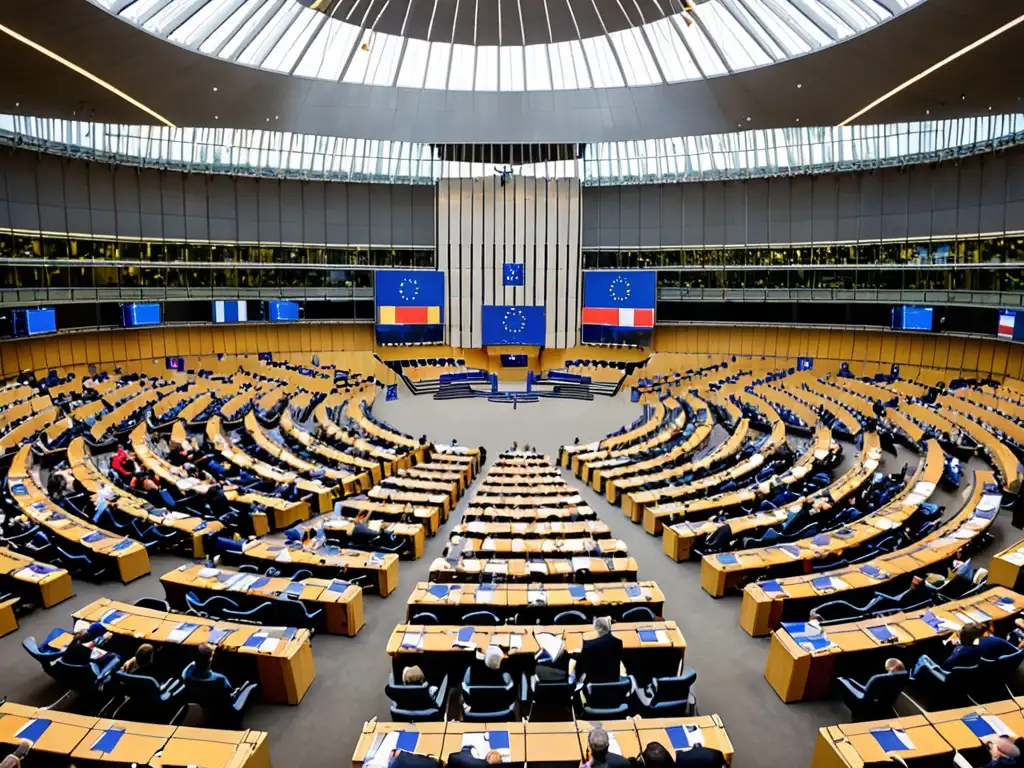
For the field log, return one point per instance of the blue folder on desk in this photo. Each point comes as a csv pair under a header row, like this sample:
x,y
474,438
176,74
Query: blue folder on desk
x,y
465,635
338,586
871,571
440,591
407,740
42,568
199,526
882,633
108,740
1004,602
822,582
814,642
978,725
578,591
122,545
19,489
821,540
648,635
677,735
633,591
262,581
255,640
111,616
727,558
294,589
842,533
985,514
33,729
771,587
890,740
931,620
95,536
498,739
793,550
217,635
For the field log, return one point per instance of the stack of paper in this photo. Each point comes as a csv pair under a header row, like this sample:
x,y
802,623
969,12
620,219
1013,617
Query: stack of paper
x,y
412,641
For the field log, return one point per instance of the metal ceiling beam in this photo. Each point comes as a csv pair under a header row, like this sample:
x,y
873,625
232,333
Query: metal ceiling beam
x,y
741,19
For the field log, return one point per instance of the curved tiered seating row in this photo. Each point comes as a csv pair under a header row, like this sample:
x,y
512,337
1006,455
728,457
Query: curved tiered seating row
x,y
767,603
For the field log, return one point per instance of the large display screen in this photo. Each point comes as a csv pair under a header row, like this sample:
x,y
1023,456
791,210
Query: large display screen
x,y
136,315
909,318
409,306
282,311
230,312
29,322
618,307
504,324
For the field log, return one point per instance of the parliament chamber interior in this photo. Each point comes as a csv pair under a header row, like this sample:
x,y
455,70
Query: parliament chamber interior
x,y
438,384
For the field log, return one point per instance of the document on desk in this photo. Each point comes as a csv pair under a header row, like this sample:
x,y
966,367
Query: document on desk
x,y
1007,604
485,594
412,641
550,646
882,633
892,739
518,545
464,639
539,568
515,642
489,545
985,726
499,567
33,729
181,632
685,736
379,753
581,563
977,615
536,597
652,636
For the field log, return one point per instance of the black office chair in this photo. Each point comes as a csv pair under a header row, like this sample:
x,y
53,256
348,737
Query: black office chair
x,y
424,617
948,686
639,613
566,618
214,699
153,603
150,699
88,678
667,696
480,619
874,699
603,701
488,703
413,702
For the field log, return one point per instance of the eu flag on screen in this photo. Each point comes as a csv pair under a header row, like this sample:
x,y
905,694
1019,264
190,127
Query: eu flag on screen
x,y
513,325
409,297
514,274
620,289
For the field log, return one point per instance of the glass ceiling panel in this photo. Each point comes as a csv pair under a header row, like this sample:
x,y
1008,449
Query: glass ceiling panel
x,y
691,158
290,36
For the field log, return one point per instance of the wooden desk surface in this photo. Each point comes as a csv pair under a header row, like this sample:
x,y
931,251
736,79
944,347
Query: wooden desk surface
x,y
522,595
75,736
561,569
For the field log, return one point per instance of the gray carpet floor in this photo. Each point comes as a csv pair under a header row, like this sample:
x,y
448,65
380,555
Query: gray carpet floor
x,y
351,672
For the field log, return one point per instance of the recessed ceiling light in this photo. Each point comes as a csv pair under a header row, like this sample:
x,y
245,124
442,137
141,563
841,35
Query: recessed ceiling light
x,y
215,88
277,117
216,117
799,85
17,103
990,109
798,119
927,111
268,119
748,119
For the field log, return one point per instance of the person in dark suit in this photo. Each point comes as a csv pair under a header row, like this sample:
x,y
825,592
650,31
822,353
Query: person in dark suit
x,y
656,756
465,758
489,672
79,650
600,658
403,759
699,757
599,754
966,653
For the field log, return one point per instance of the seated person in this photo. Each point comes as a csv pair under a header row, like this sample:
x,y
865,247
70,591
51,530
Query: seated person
x,y
177,456
86,637
656,756
141,662
599,754
59,483
489,672
966,652
123,463
414,676
553,670
600,658
1002,750
144,482
202,670
993,647
361,532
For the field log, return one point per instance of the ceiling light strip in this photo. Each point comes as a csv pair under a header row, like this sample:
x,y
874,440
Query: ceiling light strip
x,y
933,68
87,74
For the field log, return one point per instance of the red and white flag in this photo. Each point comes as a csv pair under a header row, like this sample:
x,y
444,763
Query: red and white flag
x,y
619,316
1006,322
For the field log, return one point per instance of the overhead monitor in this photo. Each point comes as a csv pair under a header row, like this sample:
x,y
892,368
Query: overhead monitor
x,y
409,306
230,312
30,322
138,315
282,311
1010,327
906,317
